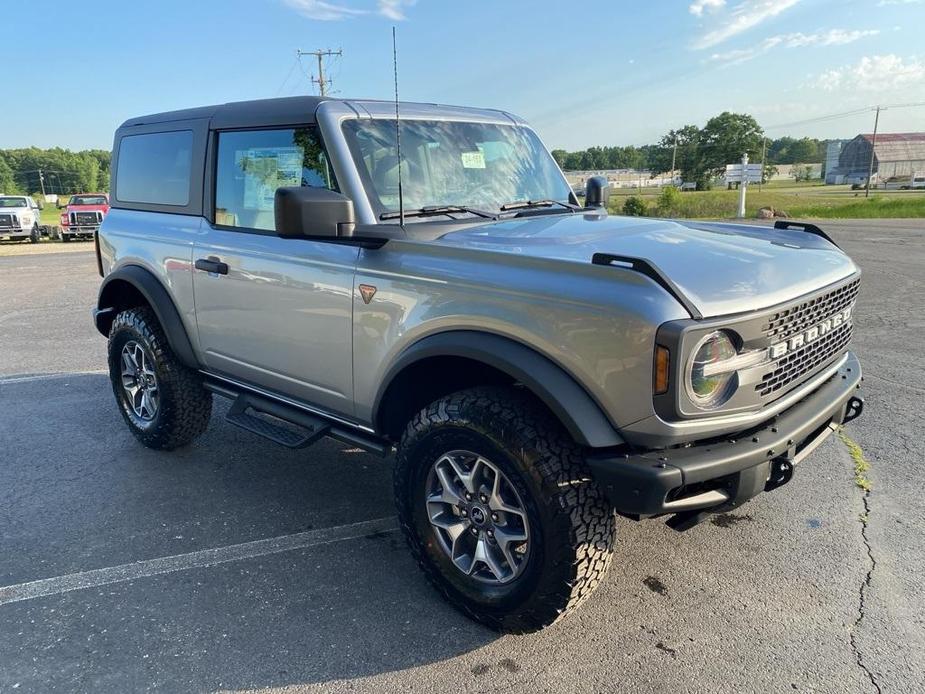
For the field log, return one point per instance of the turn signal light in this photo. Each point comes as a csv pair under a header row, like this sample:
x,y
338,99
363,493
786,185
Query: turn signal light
x,y
660,381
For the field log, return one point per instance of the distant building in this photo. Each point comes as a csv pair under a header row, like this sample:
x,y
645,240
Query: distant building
x,y
896,156
832,153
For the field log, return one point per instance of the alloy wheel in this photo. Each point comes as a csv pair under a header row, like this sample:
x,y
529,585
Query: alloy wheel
x,y
478,517
139,381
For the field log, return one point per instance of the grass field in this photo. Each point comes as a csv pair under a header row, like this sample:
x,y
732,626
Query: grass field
x,y
804,200
51,215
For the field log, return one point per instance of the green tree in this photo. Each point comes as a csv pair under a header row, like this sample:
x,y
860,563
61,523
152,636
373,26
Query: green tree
x,y
7,182
688,157
725,138
634,206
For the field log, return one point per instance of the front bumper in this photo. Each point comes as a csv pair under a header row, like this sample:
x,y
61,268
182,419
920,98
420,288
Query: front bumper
x,y
87,231
720,474
14,233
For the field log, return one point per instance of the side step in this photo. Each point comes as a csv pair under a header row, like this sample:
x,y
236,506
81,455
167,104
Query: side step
x,y
310,428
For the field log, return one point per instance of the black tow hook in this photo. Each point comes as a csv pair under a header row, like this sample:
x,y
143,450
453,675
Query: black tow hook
x,y
781,473
853,409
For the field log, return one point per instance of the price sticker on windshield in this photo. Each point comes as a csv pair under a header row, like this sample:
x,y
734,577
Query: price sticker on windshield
x,y
473,160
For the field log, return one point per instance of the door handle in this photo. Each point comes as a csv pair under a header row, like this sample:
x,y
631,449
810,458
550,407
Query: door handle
x,y
212,265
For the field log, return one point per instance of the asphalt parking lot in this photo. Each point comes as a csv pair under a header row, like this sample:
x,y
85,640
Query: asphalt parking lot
x,y
236,565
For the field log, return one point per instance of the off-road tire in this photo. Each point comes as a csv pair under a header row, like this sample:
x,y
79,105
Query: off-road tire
x,y
36,234
572,524
184,407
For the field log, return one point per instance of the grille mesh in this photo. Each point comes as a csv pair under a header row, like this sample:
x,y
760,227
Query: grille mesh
x,y
88,218
805,361
6,220
795,319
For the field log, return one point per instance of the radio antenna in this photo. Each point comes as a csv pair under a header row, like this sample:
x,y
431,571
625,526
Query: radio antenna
x,y
401,198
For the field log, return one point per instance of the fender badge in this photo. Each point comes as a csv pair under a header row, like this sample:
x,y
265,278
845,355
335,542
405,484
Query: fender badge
x,y
367,291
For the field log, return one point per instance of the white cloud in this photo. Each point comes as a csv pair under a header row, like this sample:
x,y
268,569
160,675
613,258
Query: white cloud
x,y
875,73
744,16
394,9
832,37
332,11
324,11
698,6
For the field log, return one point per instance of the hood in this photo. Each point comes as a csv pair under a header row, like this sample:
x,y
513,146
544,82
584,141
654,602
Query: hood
x,y
88,208
722,268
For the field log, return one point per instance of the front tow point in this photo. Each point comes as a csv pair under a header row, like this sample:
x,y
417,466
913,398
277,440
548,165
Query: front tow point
x,y
781,473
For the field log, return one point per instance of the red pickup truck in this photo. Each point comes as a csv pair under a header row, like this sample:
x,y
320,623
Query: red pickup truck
x,y
82,215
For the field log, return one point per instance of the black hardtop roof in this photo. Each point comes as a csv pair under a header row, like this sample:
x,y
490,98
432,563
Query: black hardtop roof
x,y
282,111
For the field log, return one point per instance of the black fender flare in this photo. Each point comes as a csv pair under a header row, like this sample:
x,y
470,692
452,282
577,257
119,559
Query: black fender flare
x,y
157,297
563,395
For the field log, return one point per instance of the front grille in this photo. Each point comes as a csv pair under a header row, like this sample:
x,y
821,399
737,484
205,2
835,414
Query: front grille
x,y
798,365
6,220
795,319
85,218
804,361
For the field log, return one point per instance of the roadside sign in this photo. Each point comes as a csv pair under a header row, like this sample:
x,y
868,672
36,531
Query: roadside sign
x,y
737,173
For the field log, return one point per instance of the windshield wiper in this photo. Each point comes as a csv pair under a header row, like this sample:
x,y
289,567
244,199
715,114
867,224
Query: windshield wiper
x,y
527,204
435,210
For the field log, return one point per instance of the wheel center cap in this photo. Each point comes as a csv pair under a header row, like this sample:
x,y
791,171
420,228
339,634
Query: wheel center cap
x,y
477,515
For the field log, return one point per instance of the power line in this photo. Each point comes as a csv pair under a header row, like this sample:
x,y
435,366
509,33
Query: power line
x,y
289,74
844,114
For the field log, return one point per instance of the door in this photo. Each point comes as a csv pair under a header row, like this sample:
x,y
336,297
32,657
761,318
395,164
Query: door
x,y
272,312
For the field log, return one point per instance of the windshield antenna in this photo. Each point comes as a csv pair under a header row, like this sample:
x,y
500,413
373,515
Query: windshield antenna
x,y
401,199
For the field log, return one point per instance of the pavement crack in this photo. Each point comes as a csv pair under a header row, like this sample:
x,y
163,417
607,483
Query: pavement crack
x,y
861,466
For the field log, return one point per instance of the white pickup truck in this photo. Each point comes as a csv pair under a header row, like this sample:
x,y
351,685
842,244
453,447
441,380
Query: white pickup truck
x,y
19,218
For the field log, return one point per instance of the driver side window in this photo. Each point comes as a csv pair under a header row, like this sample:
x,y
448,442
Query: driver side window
x,y
252,164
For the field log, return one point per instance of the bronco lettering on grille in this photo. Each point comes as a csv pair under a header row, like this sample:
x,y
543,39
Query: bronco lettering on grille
x,y
794,342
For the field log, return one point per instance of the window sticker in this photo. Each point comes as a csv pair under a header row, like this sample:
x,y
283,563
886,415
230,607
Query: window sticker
x,y
266,169
473,160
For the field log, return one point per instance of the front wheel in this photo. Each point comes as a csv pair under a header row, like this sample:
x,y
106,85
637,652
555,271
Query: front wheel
x,y
163,402
36,234
499,509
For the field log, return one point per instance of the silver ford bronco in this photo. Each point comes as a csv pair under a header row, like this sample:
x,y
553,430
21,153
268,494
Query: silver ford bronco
x,y
429,284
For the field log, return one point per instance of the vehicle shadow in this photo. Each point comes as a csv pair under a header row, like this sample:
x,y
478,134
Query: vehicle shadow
x,y
83,495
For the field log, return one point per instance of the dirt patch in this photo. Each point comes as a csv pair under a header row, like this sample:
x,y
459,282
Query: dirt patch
x,y
13,248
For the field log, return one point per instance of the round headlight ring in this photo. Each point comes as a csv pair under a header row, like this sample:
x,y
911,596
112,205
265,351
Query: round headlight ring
x,y
712,391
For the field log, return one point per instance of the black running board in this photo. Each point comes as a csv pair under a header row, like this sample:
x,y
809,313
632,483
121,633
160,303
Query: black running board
x,y
306,427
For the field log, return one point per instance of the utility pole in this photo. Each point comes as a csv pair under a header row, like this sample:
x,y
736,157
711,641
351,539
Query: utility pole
x,y
42,184
873,147
674,156
743,186
321,55
764,155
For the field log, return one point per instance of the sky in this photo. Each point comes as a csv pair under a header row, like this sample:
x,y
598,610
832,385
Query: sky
x,y
605,72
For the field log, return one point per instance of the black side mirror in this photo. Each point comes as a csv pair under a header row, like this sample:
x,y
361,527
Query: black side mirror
x,y
597,192
306,212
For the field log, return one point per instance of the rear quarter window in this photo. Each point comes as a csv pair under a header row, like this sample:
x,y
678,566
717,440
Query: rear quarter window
x,y
155,168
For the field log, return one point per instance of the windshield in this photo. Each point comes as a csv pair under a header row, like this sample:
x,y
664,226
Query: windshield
x,y
13,202
480,165
87,200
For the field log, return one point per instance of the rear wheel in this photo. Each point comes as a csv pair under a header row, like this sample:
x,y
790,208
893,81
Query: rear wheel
x,y
499,509
163,402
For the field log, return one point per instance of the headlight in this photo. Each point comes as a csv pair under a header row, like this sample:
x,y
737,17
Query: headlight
x,y
709,382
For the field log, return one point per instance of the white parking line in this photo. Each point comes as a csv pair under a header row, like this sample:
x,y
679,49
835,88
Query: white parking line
x,y
192,560
46,377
